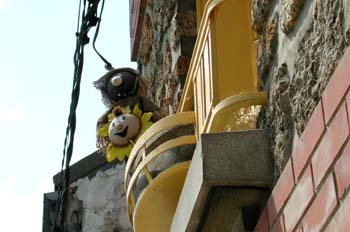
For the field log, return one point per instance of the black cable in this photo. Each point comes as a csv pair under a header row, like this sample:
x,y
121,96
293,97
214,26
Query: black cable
x,y
108,65
89,19
58,223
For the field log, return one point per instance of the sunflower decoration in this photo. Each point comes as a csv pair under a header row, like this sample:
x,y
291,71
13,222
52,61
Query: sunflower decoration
x,y
117,137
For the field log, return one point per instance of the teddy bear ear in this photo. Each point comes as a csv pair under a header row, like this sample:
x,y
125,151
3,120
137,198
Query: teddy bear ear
x,y
100,84
117,111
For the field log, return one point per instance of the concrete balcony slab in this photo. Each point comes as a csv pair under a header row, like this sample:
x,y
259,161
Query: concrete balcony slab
x,y
229,179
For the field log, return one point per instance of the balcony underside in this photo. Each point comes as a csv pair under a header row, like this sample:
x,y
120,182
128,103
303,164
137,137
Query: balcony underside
x,y
156,171
229,177
157,203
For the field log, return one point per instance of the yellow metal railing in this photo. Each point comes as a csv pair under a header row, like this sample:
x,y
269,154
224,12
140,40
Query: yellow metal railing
x,y
186,102
220,85
222,66
134,168
234,108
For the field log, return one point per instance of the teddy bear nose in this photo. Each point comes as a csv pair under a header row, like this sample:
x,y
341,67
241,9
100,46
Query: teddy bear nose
x,y
119,126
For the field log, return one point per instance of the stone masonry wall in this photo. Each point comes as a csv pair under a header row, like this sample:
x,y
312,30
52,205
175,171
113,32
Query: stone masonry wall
x,y
166,45
300,43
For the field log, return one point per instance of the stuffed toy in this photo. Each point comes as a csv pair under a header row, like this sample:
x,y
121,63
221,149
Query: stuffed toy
x,y
117,137
119,84
124,94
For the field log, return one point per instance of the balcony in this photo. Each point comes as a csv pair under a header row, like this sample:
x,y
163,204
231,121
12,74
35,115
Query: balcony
x,y
156,171
227,171
223,61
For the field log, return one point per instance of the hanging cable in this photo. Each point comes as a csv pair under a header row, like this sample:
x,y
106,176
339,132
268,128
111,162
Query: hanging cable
x,y
87,18
108,65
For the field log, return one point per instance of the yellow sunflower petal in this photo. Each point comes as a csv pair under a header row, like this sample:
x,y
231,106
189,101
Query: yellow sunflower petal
x,y
136,111
146,117
147,125
114,152
111,116
144,127
103,131
127,110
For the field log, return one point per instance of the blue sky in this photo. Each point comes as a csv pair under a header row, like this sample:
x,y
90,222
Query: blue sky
x,y
36,68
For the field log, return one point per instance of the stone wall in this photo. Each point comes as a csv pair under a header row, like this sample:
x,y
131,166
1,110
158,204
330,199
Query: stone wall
x,y
103,201
166,45
300,43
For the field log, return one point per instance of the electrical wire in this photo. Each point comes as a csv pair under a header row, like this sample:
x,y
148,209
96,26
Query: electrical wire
x,y
87,18
108,65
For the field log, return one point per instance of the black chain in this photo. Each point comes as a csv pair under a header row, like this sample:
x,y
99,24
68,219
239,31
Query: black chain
x,y
87,15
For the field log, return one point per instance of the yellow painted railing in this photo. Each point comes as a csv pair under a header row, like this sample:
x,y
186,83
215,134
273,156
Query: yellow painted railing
x,y
186,102
223,63
237,112
134,168
220,87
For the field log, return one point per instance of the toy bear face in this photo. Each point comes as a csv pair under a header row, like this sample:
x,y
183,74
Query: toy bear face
x,y
121,85
124,128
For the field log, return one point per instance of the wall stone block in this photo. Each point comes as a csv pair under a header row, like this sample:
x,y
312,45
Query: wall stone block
x,y
318,53
260,11
277,118
183,24
266,49
147,40
290,13
169,33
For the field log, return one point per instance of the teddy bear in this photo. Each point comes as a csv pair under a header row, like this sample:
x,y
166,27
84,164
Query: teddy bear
x,y
129,112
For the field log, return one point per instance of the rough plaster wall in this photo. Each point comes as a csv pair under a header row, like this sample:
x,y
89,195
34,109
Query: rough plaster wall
x,y
260,12
290,12
166,47
277,117
318,53
300,43
266,49
103,200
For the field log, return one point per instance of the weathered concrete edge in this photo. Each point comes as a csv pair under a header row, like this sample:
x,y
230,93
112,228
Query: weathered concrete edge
x,y
87,166
202,175
194,193
238,158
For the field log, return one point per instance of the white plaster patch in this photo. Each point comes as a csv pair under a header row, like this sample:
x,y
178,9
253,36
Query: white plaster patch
x,y
104,201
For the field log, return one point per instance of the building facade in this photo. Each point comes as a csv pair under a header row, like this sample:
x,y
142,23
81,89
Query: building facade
x,y
256,132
